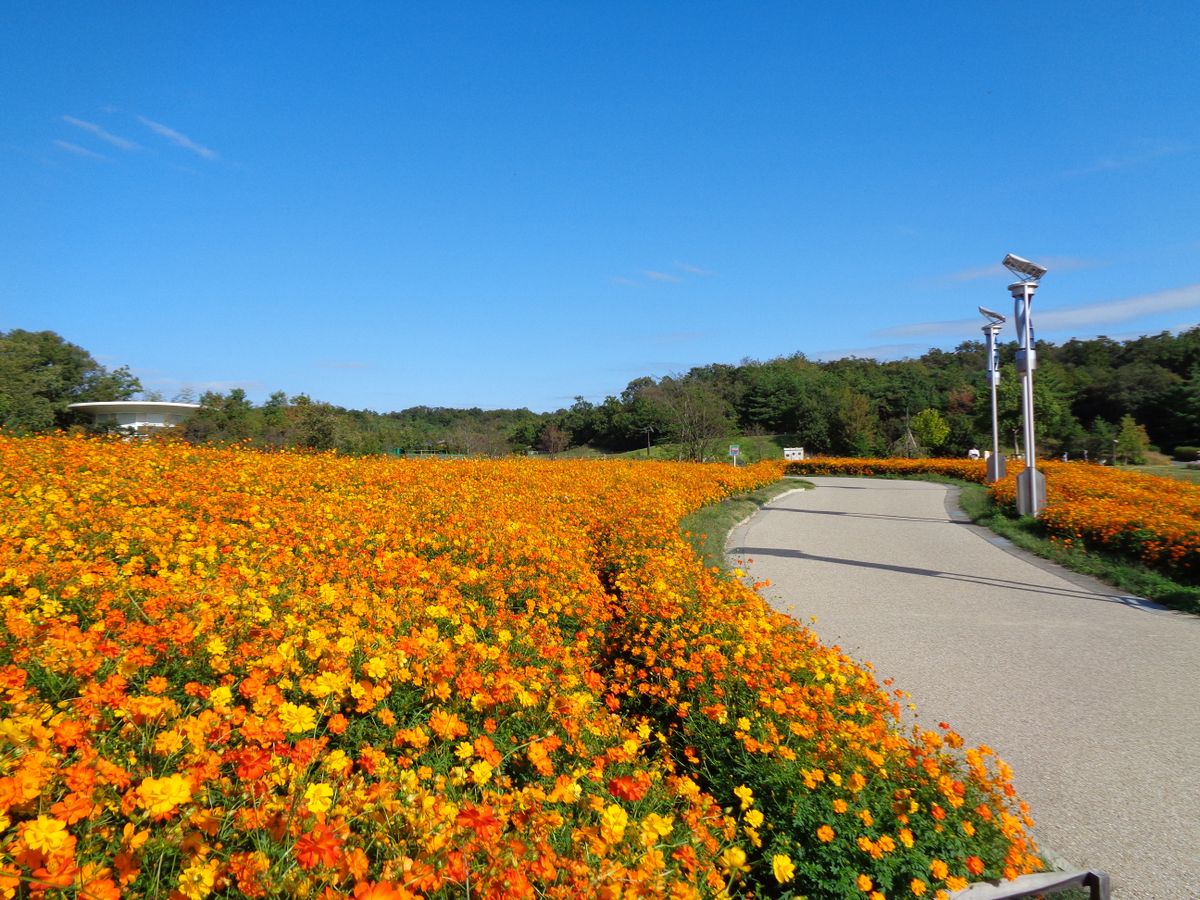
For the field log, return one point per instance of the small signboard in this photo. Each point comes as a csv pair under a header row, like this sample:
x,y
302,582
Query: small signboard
x,y
793,453
734,450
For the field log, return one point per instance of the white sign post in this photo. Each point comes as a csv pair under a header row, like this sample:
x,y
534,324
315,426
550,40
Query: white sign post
x,y
734,451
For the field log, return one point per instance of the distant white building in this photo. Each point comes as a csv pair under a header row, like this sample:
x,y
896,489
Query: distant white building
x,y
137,415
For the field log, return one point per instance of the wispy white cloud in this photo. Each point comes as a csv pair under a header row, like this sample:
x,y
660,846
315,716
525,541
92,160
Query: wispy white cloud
x,y
99,132
1087,316
178,138
997,270
1128,309
1147,153
79,151
918,329
657,275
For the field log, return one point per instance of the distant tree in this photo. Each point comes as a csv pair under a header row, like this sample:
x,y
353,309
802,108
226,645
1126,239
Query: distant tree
x,y
907,445
855,424
580,421
930,429
1132,442
960,416
41,374
1053,421
316,426
1098,440
1176,413
698,419
554,440
224,418
478,439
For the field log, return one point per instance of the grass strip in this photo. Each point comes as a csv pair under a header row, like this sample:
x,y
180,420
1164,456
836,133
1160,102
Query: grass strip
x,y
708,528
1027,533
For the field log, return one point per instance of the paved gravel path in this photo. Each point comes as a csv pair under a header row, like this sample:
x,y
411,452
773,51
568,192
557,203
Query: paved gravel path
x,y
1093,698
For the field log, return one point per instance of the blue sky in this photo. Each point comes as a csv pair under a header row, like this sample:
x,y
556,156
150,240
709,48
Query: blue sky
x,y
385,205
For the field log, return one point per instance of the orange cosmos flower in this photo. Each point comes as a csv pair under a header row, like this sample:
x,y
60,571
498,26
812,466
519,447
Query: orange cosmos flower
x,y
321,846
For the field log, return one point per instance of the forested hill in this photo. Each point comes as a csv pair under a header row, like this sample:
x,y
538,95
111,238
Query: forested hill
x,y
1087,392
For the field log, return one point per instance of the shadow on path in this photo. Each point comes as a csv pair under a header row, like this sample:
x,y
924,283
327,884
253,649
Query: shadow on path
x,y
834,512
1079,594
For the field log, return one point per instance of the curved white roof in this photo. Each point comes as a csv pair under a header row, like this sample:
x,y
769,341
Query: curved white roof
x,y
132,406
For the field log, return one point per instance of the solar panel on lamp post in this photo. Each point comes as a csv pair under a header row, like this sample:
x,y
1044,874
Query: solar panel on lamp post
x,y
1031,484
996,468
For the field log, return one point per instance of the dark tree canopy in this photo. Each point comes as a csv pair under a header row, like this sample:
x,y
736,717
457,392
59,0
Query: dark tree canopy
x,y
41,374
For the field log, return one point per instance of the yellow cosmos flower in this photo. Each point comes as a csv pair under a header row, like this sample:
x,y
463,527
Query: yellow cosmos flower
x,y
754,818
337,762
783,868
318,797
297,719
45,833
168,742
733,859
481,772
658,825
161,795
196,881
745,795
375,668
612,823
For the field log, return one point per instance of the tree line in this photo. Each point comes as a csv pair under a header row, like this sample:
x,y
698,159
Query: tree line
x,y
1092,397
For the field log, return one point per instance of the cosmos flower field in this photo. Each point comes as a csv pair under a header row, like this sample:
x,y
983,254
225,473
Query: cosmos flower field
x,y
232,673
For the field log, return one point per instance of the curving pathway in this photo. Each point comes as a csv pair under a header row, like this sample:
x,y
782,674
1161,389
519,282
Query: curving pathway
x,y
1093,698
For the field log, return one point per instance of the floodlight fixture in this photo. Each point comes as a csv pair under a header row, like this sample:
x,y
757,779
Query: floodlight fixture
x,y
1023,268
996,318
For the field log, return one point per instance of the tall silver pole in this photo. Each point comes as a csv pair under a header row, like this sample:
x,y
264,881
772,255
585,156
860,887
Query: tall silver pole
x,y
1027,381
1031,485
995,466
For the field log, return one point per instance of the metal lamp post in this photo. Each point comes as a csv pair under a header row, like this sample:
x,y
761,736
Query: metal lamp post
x,y
996,468
1031,484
